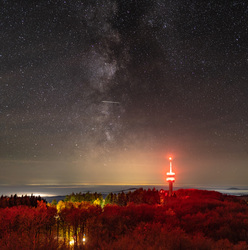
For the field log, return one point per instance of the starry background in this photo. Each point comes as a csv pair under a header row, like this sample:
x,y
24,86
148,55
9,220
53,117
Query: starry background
x,y
102,92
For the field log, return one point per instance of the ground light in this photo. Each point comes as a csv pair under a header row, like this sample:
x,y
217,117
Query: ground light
x,y
71,242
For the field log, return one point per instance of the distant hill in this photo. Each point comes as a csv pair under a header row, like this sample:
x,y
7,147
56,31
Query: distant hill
x,y
49,199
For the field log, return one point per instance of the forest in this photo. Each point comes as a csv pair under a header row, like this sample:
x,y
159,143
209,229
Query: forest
x,y
141,219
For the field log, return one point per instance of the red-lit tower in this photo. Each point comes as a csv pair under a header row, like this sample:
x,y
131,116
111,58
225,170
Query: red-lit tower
x,y
170,178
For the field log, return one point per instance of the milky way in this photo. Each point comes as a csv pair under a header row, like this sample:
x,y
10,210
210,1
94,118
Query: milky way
x,y
103,91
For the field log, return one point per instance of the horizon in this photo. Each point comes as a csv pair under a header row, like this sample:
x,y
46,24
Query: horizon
x,y
63,190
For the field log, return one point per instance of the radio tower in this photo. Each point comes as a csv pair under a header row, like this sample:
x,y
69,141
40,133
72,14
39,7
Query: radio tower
x,y
170,178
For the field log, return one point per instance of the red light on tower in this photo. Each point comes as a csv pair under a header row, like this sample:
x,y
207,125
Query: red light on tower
x,y
170,178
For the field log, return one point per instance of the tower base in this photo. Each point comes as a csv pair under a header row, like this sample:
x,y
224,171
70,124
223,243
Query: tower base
x,y
170,188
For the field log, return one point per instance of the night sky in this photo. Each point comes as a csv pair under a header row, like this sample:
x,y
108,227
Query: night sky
x,y
103,91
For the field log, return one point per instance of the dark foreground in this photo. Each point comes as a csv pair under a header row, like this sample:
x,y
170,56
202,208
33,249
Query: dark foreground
x,y
192,219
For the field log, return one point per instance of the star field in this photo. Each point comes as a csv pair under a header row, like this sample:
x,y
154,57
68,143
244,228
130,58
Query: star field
x,y
103,91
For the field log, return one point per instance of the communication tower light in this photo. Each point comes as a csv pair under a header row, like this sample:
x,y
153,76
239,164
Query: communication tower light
x,y
170,177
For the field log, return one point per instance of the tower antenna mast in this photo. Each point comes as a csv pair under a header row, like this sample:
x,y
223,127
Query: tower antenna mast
x,y
170,178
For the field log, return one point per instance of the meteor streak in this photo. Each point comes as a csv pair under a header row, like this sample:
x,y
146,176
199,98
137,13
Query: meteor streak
x,y
111,102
